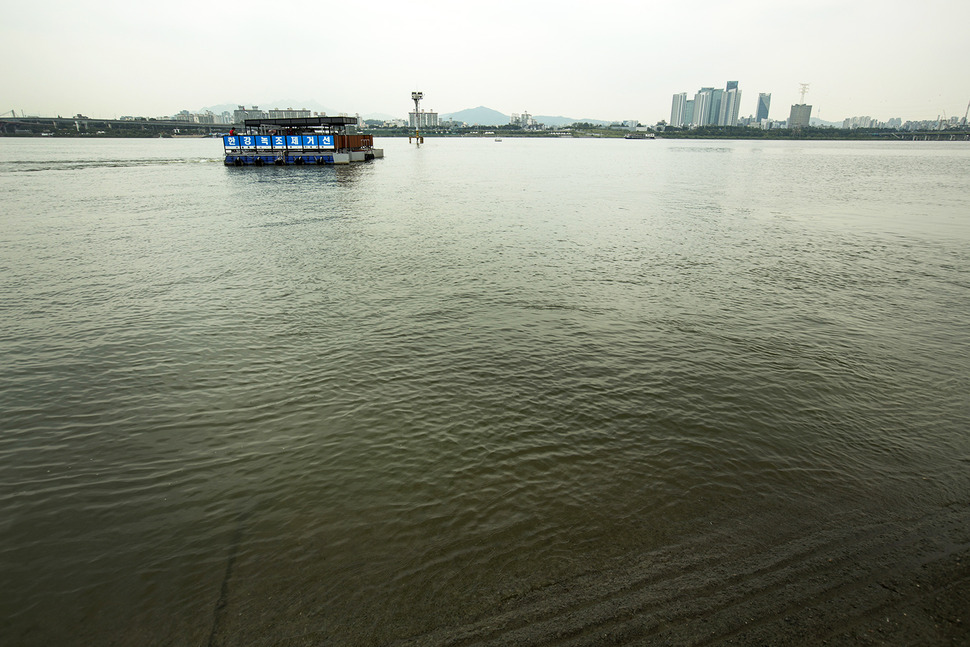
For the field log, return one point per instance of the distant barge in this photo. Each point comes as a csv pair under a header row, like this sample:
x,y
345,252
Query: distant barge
x,y
307,140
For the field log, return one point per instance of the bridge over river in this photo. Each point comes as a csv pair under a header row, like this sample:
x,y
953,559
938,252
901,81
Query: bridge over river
x,y
66,126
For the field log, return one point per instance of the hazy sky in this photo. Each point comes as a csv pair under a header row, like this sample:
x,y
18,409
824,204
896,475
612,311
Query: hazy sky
x,y
613,59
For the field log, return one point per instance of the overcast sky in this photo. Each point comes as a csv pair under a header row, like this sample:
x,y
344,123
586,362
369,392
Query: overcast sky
x,y
613,59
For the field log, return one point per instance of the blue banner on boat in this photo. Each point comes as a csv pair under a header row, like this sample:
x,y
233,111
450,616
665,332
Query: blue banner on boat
x,y
278,141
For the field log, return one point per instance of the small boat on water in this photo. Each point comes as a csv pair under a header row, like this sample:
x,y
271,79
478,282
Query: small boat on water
x,y
640,136
300,140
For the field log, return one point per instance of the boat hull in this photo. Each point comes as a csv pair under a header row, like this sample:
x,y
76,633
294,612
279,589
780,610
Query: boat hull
x,y
297,159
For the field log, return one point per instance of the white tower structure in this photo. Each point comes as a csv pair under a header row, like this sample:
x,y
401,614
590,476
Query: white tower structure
x,y
416,97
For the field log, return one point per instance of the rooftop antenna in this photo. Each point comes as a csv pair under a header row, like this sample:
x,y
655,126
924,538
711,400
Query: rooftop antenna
x,y
804,90
416,97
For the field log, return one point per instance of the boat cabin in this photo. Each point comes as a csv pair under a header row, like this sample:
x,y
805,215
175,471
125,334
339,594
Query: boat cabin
x,y
300,140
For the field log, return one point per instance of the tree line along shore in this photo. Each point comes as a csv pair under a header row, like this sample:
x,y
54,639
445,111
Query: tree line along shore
x,y
165,129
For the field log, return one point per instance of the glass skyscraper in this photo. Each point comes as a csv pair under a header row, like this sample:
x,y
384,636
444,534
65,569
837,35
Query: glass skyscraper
x,y
764,102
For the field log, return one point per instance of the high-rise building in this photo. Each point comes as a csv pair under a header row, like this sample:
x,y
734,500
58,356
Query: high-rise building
x,y
241,114
801,116
764,102
524,120
677,109
730,105
709,107
289,113
422,119
702,107
717,99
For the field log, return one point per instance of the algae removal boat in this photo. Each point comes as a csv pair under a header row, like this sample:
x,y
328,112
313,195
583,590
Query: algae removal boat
x,y
300,140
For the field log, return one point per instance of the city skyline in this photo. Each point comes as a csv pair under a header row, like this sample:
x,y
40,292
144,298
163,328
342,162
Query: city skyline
x,y
616,62
709,107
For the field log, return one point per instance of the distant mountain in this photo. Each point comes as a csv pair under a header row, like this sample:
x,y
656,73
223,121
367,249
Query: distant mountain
x,y
480,116
815,121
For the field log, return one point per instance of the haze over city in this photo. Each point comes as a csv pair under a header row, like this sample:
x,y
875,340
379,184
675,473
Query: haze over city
x,y
611,60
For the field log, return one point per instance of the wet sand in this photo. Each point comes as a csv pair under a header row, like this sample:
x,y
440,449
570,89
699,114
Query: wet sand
x,y
766,579
874,582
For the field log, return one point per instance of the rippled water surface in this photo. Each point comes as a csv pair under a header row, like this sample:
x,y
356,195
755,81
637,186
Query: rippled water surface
x,y
388,401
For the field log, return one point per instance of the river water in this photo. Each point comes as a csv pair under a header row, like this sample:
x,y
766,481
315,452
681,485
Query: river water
x,y
473,391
